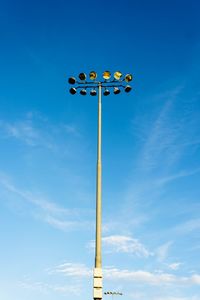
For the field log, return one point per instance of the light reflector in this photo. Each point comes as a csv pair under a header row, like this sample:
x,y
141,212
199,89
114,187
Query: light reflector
x,y
93,75
106,92
72,80
82,76
117,75
116,90
106,75
93,92
128,88
128,77
72,91
83,92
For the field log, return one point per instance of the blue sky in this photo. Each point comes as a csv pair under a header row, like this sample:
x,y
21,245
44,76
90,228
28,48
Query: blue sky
x,y
151,149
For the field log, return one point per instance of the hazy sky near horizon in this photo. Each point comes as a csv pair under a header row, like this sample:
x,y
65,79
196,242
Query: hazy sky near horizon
x,y
150,152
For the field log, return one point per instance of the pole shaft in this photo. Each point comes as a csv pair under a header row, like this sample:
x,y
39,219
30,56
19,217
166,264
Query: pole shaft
x,y
98,260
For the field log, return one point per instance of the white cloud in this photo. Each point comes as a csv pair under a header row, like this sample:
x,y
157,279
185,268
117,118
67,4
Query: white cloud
x,y
173,177
188,226
35,130
46,210
139,276
71,270
27,132
163,250
45,288
125,244
195,279
174,266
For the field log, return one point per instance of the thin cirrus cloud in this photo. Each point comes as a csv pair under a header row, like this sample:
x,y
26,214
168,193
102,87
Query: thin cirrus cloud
x,y
26,132
47,288
47,211
35,130
177,176
187,227
77,271
163,251
167,135
123,244
174,266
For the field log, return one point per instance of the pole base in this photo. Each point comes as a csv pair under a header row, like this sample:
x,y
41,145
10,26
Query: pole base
x,y
98,284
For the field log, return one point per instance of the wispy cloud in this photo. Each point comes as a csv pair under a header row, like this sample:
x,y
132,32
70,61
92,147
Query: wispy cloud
x,y
174,266
163,250
35,130
47,288
26,132
188,226
49,211
71,270
168,135
125,244
181,174
146,277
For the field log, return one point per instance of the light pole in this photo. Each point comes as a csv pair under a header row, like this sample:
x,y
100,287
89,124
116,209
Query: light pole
x,y
82,84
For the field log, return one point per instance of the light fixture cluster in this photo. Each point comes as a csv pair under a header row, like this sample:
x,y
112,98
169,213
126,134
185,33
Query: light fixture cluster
x,y
113,293
116,83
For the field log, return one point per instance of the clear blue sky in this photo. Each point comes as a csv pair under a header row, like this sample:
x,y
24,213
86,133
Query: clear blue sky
x,y
151,149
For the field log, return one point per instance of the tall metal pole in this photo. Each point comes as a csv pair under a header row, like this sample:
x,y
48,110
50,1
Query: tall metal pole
x,y
97,292
98,259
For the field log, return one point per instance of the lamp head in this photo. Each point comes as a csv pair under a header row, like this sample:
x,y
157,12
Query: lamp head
x,y
93,92
128,88
116,90
93,75
72,91
72,80
117,75
106,75
82,76
106,92
83,92
128,77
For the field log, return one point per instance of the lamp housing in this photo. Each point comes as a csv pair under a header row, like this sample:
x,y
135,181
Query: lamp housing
x,y
82,76
93,75
72,80
128,77
106,75
117,75
83,92
128,88
93,92
116,90
106,92
72,91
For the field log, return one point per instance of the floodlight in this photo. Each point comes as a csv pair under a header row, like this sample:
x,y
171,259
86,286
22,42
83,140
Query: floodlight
x,y
128,77
93,75
82,76
83,92
106,92
117,75
106,75
93,92
128,88
73,91
72,80
116,90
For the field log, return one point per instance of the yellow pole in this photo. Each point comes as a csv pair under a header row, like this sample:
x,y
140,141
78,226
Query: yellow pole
x,y
97,292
